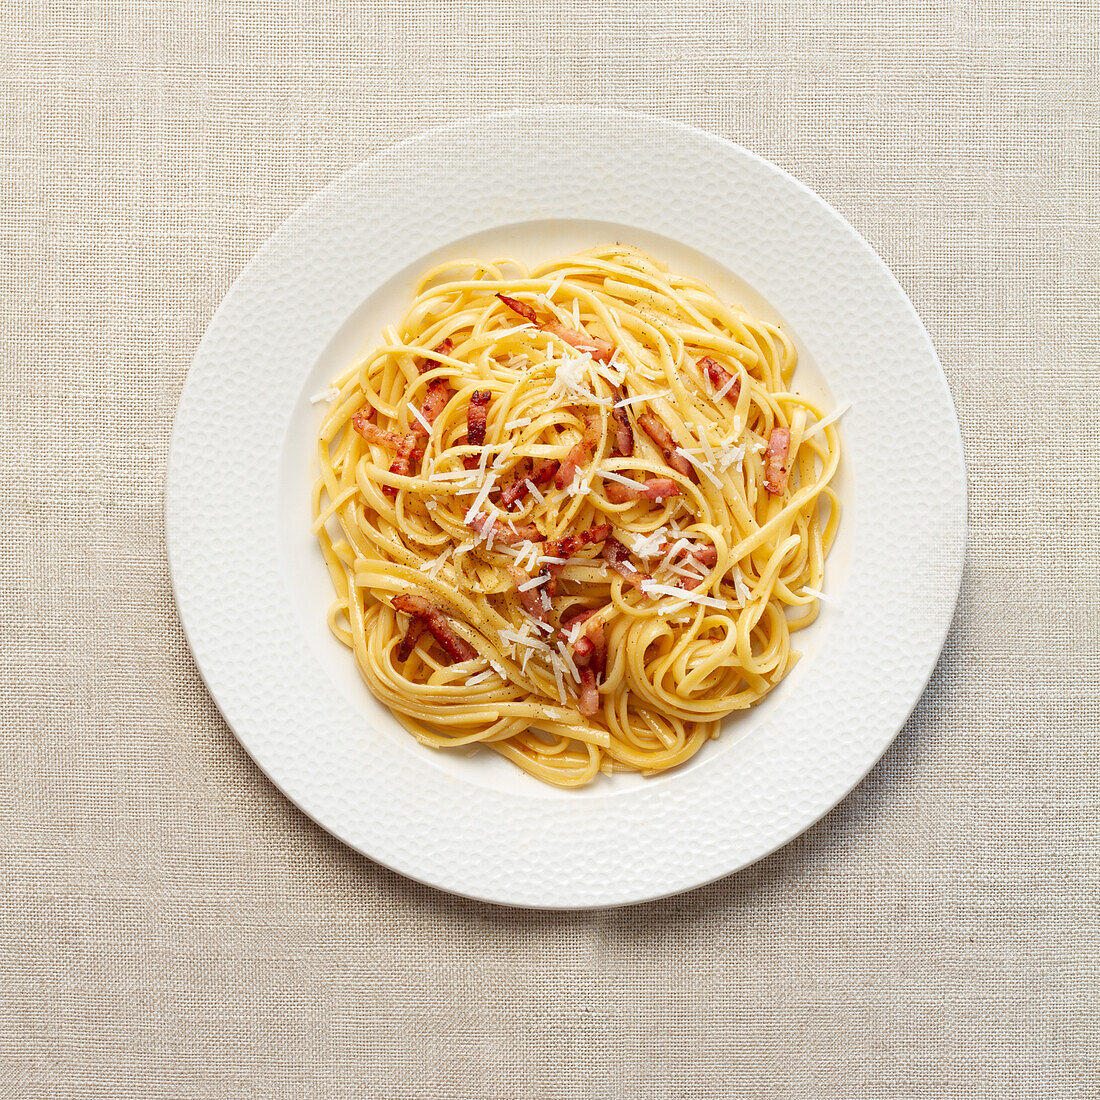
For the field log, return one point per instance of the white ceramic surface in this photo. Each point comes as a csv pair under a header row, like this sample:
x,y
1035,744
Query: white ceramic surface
x,y
252,592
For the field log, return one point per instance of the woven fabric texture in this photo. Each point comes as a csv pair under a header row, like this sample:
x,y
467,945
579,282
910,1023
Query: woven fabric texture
x,y
171,927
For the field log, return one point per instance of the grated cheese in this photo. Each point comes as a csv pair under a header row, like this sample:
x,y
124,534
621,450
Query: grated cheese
x,y
481,498
481,677
555,664
703,467
744,596
611,475
555,286
626,401
650,546
502,333
520,422
503,453
652,588
325,396
534,582
672,608
815,592
433,567
726,387
825,421
535,492
420,416
567,657
578,487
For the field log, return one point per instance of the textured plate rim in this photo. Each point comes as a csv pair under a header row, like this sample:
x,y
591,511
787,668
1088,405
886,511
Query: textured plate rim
x,y
254,729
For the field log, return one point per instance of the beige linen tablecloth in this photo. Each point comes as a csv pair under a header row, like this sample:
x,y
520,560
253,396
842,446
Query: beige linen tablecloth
x,y
171,927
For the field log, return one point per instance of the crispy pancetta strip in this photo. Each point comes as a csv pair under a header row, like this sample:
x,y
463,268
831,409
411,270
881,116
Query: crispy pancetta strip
x,y
531,598
598,348
660,435
502,533
412,636
581,452
720,377
457,648
624,434
775,460
654,488
566,547
618,557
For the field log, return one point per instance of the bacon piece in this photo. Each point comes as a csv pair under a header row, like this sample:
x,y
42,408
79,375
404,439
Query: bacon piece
x,y
544,470
598,348
719,377
531,598
618,557
581,453
660,435
406,447
444,348
588,695
407,453
624,433
526,532
519,487
522,308
567,547
458,649
590,657
654,488
705,555
373,434
476,417
412,636
436,398
775,460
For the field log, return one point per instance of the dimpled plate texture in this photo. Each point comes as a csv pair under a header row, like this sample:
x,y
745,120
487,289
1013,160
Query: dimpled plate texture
x,y
346,763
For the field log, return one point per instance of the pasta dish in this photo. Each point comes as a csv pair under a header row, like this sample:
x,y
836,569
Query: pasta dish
x,y
574,513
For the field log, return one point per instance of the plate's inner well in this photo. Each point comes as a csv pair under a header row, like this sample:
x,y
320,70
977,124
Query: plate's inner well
x,y
304,570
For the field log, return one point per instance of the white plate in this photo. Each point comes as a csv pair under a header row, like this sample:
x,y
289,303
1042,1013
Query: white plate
x,y
252,591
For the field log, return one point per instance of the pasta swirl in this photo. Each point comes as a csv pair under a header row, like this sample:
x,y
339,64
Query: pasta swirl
x,y
575,513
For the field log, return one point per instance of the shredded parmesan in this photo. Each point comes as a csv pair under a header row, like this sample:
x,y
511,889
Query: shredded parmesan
x,y
626,401
726,387
433,567
815,592
420,416
611,475
325,396
534,582
555,286
703,467
652,588
825,421
519,422
570,664
481,498
741,588
535,492
650,546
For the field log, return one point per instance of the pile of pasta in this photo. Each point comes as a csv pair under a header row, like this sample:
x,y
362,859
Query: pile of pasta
x,y
574,514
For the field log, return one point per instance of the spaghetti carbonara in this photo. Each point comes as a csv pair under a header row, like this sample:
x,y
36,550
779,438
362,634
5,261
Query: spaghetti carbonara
x,y
574,514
